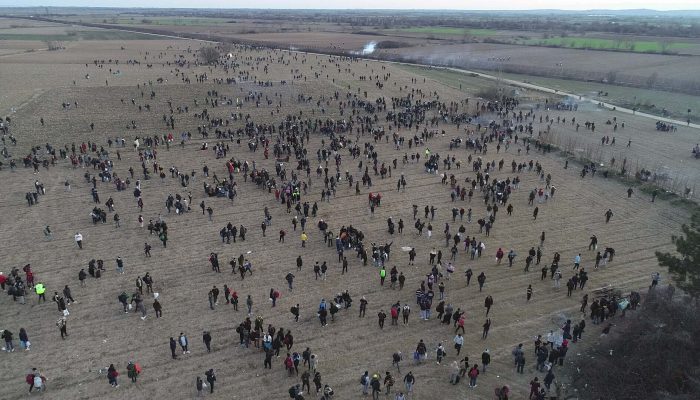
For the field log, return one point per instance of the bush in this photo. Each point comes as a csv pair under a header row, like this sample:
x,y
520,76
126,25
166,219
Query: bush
x,y
54,45
209,54
653,357
391,44
489,93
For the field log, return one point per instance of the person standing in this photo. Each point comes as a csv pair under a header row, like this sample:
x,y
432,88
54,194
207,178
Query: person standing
x,y
376,387
381,317
473,375
363,306
68,295
488,302
200,386
61,323
211,378
364,381
295,312
388,382
459,342
8,336
290,280
24,340
173,347
79,240
158,308
406,311
184,342
132,371
485,360
40,291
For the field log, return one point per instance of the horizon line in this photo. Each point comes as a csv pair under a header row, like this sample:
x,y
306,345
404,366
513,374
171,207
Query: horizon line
x,y
359,9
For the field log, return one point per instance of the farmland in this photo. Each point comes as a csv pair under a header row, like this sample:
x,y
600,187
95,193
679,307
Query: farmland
x,y
246,94
640,46
443,30
663,58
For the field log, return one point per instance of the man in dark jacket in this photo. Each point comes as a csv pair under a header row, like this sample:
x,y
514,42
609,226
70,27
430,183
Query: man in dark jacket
x,y
173,347
211,378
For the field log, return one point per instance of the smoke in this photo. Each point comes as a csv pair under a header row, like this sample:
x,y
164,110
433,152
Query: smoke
x,y
369,48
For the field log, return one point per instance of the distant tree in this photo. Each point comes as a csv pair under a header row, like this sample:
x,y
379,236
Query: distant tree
x,y
651,80
611,77
685,269
209,54
53,45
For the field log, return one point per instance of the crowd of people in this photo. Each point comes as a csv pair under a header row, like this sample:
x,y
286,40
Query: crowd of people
x,y
362,145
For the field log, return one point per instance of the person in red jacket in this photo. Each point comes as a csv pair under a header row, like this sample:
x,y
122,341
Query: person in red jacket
x,y
394,315
473,374
289,364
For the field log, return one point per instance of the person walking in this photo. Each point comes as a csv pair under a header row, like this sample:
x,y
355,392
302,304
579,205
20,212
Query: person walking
x,y
112,375
249,303
485,360
206,338
409,380
486,326
376,387
211,378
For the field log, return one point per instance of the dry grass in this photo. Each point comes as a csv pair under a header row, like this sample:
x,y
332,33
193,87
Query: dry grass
x,y
101,334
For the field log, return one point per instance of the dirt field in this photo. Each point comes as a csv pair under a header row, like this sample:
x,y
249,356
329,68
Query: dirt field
x,y
100,333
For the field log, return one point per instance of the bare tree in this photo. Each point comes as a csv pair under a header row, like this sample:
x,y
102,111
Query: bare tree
x,y
209,54
651,80
53,45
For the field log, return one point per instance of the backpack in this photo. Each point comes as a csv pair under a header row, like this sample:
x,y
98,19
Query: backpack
x,y
29,379
363,380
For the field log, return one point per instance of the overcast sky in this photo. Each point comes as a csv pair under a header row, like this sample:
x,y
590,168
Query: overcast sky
x,y
369,4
